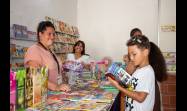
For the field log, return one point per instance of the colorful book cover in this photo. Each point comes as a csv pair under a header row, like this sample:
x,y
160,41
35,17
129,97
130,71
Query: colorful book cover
x,y
44,85
12,33
12,90
36,87
32,35
20,90
20,31
17,30
119,74
170,59
73,66
24,31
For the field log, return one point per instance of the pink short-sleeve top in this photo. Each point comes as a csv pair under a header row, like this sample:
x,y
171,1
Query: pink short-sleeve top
x,y
44,58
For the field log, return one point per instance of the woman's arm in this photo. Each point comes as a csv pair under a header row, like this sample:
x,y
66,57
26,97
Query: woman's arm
x,y
55,87
138,96
51,86
32,63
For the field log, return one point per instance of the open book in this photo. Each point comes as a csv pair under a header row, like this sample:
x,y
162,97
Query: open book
x,y
117,73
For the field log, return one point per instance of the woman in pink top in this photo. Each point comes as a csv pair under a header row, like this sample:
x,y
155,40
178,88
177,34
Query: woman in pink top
x,y
39,55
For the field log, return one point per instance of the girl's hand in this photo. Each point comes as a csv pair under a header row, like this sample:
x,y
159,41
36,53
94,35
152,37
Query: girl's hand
x,y
113,82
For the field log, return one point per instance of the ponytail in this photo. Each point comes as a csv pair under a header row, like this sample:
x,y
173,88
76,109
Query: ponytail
x,y
157,61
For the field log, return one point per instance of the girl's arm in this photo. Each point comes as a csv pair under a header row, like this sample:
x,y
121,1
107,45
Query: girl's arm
x,y
136,95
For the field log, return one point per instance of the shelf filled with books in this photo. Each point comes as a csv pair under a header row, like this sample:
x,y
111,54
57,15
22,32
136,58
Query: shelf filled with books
x,y
24,39
17,53
64,28
20,39
20,32
66,36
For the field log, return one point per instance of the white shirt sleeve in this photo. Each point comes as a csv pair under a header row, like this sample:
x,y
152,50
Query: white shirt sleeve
x,y
85,59
146,81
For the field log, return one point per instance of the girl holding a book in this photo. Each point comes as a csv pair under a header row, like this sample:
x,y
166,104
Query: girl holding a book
x,y
159,67
142,95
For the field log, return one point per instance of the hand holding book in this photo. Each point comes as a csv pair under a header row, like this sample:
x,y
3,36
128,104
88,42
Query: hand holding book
x,y
119,74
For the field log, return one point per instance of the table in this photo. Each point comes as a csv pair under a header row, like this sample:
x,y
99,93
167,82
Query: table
x,y
87,95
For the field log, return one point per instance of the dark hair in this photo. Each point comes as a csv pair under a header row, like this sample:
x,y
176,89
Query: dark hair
x,y
83,45
134,31
140,40
42,27
156,58
157,61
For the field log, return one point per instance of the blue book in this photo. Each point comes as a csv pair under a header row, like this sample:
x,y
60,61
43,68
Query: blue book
x,y
117,73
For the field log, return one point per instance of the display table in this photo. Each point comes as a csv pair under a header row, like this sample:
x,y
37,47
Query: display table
x,y
86,95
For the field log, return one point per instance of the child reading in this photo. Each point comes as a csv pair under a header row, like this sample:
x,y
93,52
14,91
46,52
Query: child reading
x,y
142,95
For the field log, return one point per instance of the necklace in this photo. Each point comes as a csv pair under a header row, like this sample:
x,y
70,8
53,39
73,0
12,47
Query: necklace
x,y
54,57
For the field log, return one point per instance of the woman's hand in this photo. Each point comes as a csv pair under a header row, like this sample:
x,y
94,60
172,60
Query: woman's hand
x,y
32,63
63,87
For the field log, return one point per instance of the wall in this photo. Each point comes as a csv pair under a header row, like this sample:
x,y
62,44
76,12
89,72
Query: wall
x,y
167,43
105,25
168,93
167,40
31,12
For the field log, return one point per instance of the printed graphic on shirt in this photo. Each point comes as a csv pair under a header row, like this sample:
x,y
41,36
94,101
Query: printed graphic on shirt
x,y
131,87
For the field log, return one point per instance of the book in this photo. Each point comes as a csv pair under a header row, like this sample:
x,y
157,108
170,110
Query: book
x,y
20,89
12,34
117,73
20,31
170,60
73,66
36,87
12,90
17,30
32,35
24,31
